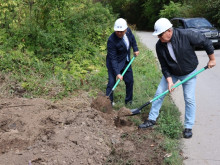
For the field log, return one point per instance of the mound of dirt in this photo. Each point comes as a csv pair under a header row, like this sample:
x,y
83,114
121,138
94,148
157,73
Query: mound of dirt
x,y
124,112
42,132
102,103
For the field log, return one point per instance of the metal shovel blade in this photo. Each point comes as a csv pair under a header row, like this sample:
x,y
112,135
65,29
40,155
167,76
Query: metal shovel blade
x,y
135,111
138,110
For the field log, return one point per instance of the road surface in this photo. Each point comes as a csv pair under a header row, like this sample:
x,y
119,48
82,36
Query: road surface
x,y
204,147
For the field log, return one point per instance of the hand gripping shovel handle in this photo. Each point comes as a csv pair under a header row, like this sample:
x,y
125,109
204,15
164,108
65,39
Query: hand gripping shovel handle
x,y
116,84
138,110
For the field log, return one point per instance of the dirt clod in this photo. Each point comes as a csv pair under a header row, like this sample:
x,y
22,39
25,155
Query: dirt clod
x,y
124,112
103,104
122,121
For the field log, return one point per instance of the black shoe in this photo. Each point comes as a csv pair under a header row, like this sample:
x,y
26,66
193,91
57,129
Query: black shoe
x,y
187,133
147,124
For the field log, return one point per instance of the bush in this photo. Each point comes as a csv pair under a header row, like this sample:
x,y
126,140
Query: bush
x,y
212,11
54,28
171,10
63,41
192,8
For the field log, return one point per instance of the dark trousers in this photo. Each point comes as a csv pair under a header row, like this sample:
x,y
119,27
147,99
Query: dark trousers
x,y
127,78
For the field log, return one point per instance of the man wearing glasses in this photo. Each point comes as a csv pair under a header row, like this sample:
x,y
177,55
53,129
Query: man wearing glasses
x,y
178,60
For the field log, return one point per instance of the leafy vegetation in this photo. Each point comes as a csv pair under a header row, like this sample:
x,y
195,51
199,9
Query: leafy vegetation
x,y
172,10
141,13
58,41
144,13
51,48
213,11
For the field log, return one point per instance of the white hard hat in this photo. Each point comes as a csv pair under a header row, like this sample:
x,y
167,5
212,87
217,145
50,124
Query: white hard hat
x,y
120,25
161,25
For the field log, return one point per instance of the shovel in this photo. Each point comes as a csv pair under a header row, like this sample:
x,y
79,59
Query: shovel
x,y
138,110
116,84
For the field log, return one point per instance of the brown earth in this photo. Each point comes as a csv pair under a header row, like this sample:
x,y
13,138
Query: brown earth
x,y
72,131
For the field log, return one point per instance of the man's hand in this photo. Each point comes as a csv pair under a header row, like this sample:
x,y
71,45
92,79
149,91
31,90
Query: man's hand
x,y
170,84
119,76
212,61
136,53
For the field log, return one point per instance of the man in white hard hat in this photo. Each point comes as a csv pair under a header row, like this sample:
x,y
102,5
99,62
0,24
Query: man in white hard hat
x,y
118,57
178,61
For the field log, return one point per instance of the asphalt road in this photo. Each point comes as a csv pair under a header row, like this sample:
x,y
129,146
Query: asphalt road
x,y
204,147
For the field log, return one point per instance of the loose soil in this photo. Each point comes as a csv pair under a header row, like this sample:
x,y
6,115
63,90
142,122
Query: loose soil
x,y
72,131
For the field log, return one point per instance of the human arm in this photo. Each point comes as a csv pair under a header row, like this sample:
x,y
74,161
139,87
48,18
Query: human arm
x,y
208,46
164,67
197,38
132,42
170,83
212,61
112,56
162,57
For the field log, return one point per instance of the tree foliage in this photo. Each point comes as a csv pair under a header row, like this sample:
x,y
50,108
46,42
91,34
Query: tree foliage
x,y
55,26
144,13
61,38
193,8
213,11
171,10
141,13
151,9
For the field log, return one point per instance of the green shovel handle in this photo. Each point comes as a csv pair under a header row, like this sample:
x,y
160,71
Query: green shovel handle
x,y
178,84
123,73
138,110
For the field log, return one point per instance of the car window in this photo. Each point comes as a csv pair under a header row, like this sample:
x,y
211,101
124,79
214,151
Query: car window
x,y
174,22
181,25
197,23
177,23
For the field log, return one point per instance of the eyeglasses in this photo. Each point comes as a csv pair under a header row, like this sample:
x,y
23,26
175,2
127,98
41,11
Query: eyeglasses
x,y
160,35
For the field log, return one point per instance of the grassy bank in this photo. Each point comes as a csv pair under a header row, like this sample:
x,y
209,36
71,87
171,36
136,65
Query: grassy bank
x,y
146,79
26,76
54,55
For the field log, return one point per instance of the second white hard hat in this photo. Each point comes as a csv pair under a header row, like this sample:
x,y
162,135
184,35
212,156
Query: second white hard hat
x,y
120,25
161,25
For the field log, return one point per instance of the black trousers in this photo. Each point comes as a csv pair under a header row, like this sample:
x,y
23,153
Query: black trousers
x,y
127,78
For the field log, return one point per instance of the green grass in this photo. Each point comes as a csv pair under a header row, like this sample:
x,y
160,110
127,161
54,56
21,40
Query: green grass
x,y
146,79
172,147
35,78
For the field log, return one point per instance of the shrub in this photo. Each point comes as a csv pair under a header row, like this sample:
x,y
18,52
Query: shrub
x,y
59,40
174,10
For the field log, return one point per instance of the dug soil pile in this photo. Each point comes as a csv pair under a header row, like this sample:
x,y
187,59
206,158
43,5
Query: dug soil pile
x,y
103,104
71,132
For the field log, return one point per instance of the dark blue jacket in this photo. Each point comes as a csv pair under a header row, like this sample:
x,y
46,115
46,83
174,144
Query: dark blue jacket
x,y
117,51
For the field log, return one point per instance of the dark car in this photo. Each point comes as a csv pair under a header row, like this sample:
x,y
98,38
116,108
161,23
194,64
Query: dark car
x,y
201,25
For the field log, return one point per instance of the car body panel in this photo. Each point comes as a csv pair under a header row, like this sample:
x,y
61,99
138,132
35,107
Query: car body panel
x,y
198,24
